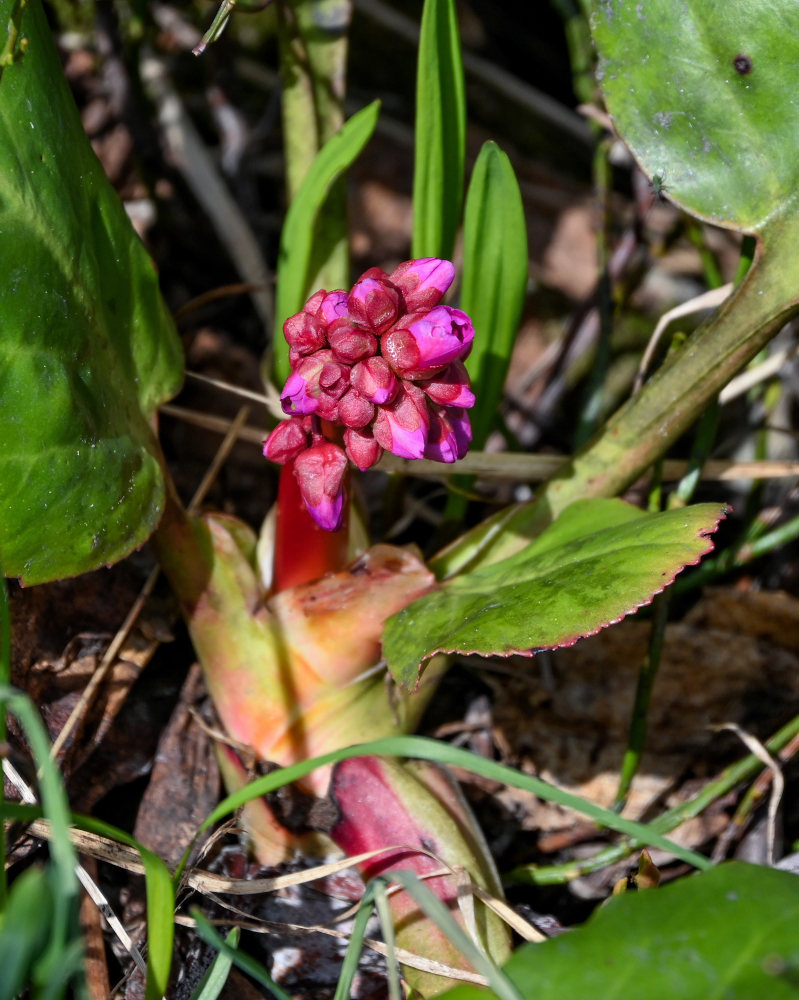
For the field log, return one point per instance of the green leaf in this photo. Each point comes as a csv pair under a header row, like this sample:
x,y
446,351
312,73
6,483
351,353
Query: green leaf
x,y
61,958
600,560
702,93
729,932
160,905
213,982
88,350
296,240
437,911
427,749
494,279
244,962
25,929
440,133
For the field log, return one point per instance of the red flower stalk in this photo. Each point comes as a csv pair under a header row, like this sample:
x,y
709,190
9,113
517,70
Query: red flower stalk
x,y
383,364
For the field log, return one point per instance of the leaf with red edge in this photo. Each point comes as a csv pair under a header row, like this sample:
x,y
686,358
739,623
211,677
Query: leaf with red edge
x,y
598,562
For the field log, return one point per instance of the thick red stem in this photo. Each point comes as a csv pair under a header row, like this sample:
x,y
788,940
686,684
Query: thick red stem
x,y
303,550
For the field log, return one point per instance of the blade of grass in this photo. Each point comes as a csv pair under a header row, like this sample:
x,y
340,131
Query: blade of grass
x,y
493,291
436,910
389,938
213,982
494,279
440,133
428,749
244,962
296,240
5,678
160,906
354,948
61,958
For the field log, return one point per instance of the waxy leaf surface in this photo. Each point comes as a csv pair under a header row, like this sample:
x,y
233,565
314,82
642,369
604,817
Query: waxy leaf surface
x,y
599,561
88,350
729,932
704,93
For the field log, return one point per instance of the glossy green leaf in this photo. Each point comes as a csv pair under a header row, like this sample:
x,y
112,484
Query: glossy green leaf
x,y
296,241
494,279
88,350
599,561
703,94
440,133
729,932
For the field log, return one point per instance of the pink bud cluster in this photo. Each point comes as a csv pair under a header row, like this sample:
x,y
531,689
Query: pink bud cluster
x,y
384,363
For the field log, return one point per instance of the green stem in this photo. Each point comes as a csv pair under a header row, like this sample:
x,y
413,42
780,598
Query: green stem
x,y
595,388
647,674
644,427
665,823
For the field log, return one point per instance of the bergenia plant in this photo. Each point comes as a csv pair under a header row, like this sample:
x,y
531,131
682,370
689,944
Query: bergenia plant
x,y
380,368
346,642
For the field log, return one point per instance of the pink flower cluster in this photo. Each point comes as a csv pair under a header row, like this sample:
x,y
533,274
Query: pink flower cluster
x,y
385,363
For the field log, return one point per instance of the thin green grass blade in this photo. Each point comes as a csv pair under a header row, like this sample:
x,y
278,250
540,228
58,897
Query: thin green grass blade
x,y
52,962
354,948
160,905
213,982
389,938
428,749
24,930
494,279
5,678
244,962
440,133
296,241
435,909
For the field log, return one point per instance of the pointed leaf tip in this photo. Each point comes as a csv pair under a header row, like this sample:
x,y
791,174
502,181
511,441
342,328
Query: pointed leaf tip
x,y
600,561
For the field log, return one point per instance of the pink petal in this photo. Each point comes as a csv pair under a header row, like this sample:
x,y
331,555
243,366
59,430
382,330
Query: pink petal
x,y
450,387
402,426
296,397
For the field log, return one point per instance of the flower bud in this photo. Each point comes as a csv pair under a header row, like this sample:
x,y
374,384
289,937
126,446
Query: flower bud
x,y
320,475
354,410
402,426
315,384
305,334
374,380
451,387
429,342
349,344
287,440
361,447
374,304
422,282
333,306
